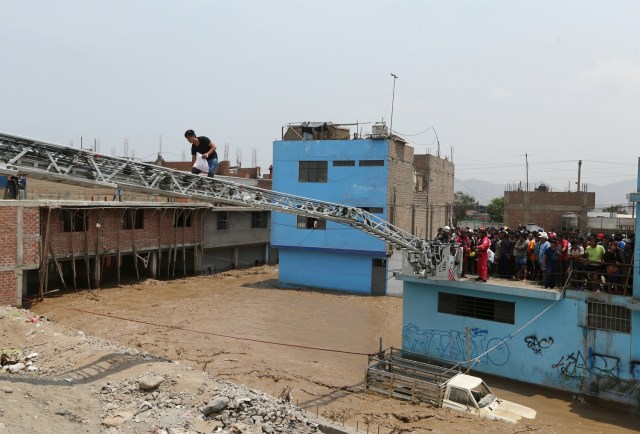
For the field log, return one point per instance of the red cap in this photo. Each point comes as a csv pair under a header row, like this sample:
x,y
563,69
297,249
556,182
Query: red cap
x,y
600,236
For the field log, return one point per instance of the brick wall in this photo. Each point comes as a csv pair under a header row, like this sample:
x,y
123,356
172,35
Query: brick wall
x,y
7,288
438,175
158,229
401,188
19,223
546,208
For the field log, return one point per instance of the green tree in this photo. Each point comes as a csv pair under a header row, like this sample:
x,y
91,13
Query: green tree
x,y
462,203
618,209
495,209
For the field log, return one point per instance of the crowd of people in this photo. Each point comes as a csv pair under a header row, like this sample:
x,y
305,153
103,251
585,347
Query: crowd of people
x,y
590,262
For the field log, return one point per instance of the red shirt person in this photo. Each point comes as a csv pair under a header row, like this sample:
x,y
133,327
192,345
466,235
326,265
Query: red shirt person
x,y
483,246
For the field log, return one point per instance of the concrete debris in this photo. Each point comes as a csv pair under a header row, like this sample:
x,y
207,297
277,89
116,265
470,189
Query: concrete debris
x,y
150,383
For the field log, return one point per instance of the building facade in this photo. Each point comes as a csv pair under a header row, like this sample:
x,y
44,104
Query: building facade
x,y
53,245
546,208
379,175
585,343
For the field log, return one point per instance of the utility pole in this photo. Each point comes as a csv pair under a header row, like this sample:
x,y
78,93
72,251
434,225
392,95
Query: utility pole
x,y
526,159
579,170
393,98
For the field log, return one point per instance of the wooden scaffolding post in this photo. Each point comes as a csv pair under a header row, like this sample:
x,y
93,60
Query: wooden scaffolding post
x,y
73,259
86,245
58,267
171,246
174,245
204,211
184,243
44,258
159,264
119,264
133,238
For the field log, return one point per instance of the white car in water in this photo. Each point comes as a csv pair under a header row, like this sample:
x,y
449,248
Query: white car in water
x,y
471,395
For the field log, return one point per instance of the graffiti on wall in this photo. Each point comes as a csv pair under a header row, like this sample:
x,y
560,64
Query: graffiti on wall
x,y
601,371
452,344
576,365
537,345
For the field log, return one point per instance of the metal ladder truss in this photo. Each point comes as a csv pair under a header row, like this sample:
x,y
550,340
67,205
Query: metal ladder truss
x,y
57,163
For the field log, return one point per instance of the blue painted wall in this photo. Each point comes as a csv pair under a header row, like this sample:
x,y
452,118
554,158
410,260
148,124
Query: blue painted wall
x,y
556,350
317,268
342,250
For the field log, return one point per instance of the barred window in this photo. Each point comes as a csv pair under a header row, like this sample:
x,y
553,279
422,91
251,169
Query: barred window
x,y
610,317
344,163
371,162
311,223
223,220
312,171
476,307
259,219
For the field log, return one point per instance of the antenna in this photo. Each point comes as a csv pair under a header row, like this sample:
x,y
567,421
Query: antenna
x,y
113,151
393,98
160,147
254,157
126,148
226,151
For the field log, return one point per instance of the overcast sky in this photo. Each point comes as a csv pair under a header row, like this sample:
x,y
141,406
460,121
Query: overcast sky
x,y
557,80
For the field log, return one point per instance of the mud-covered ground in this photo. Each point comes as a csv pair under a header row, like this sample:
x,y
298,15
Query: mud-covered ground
x,y
239,326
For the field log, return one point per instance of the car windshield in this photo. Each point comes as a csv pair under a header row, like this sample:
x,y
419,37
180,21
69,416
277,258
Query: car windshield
x,y
483,395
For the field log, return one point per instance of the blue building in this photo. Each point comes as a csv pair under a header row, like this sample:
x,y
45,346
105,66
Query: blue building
x,y
582,342
324,254
379,174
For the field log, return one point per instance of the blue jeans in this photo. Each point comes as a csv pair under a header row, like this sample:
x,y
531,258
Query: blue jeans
x,y
213,164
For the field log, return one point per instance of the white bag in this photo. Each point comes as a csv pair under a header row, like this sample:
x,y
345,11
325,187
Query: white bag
x,y
201,164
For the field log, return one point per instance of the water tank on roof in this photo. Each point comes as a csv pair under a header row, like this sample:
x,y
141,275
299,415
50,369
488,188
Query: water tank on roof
x,y
379,129
569,222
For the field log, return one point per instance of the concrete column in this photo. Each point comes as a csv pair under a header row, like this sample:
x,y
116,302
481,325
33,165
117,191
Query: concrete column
x,y
97,272
21,286
266,253
154,266
198,265
235,257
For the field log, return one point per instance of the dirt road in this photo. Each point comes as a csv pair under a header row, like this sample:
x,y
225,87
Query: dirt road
x,y
241,327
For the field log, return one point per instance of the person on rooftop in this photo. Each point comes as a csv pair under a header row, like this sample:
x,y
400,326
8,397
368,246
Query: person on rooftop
x,y
482,247
594,254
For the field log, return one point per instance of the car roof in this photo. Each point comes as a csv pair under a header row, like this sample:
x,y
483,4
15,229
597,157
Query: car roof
x,y
465,381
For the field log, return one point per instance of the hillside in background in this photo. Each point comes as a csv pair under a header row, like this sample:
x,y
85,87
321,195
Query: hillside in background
x,y
609,194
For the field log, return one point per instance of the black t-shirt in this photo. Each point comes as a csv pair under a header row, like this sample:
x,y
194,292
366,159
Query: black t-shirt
x,y
203,147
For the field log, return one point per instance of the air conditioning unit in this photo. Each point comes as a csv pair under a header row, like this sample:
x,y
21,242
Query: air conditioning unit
x,y
379,129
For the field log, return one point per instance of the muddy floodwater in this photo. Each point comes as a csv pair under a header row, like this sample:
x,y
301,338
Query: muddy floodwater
x,y
240,326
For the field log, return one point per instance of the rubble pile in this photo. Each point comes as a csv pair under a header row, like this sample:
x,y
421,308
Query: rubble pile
x,y
217,406
113,388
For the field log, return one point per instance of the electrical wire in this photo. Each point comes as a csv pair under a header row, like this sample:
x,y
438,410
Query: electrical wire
x,y
171,327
